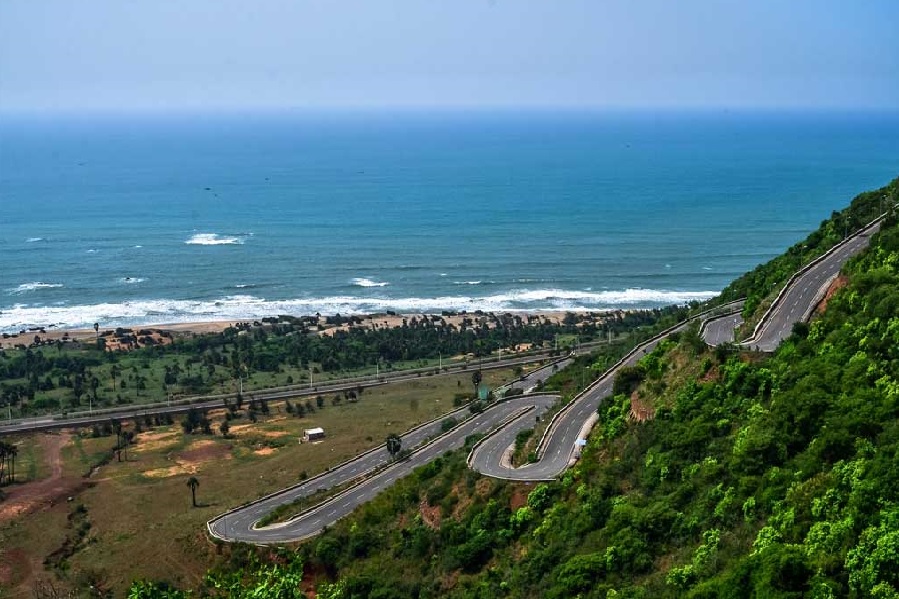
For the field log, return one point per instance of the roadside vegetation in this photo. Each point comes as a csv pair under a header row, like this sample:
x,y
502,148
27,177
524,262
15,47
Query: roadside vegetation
x,y
760,285
711,473
38,377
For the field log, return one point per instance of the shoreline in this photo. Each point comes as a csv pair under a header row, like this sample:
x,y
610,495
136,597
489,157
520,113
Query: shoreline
x,y
201,327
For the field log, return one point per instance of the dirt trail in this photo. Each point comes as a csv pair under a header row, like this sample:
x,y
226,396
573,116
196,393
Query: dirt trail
x,y
25,498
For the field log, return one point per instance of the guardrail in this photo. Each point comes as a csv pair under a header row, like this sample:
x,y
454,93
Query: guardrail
x,y
342,464
777,300
541,447
514,416
87,418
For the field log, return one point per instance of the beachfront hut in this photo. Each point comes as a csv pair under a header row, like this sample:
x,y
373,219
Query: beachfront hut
x,y
313,434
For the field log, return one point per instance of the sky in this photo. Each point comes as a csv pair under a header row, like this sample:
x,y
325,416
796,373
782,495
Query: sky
x,y
167,55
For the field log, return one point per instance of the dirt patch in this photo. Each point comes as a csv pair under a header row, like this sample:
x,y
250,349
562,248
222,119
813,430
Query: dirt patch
x,y
837,284
711,375
265,451
28,497
154,441
640,411
204,451
189,462
176,470
430,514
519,497
15,567
483,486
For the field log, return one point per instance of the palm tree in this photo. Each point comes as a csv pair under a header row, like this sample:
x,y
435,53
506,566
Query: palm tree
x,y
193,483
476,380
8,453
394,444
12,452
114,372
4,448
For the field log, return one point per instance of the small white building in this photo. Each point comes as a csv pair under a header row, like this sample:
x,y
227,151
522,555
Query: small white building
x,y
313,434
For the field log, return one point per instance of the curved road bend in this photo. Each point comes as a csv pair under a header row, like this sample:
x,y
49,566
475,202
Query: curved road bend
x,y
798,301
513,415
239,524
563,433
721,330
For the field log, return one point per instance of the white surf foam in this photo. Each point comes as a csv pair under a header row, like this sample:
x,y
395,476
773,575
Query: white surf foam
x,y
34,239
26,287
214,239
131,280
466,282
243,307
363,282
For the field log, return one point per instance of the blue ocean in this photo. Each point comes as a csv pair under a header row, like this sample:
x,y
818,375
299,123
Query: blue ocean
x,y
131,219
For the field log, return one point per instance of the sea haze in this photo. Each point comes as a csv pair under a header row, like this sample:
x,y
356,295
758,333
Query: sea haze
x,y
127,220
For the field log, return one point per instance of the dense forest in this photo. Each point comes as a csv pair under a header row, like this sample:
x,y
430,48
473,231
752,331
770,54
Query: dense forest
x,y
711,473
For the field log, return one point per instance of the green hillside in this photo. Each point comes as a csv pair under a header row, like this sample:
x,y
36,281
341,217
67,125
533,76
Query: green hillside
x,y
712,473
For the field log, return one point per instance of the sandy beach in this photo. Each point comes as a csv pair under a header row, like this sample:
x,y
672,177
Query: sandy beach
x,y
378,321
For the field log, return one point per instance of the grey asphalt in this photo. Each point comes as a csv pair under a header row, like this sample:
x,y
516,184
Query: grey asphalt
x,y
796,303
504,420
84,419
376,471
560,439
721,330
240,524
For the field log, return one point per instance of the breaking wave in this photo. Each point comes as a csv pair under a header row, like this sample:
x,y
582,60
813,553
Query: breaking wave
x,y
363,282
243,307
214,239
26,287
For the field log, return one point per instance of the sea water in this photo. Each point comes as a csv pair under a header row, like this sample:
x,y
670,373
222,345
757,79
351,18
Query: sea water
x,y
136,219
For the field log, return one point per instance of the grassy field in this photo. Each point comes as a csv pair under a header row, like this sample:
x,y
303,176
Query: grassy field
x,y
137,521
140,379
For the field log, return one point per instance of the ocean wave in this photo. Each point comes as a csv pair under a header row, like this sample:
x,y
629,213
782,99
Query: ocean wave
x,y
214,239
34,239
92,251
467,282
25,287
244,307
363,282
131,280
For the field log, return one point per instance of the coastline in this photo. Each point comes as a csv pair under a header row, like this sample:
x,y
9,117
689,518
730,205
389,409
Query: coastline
x,y
378,321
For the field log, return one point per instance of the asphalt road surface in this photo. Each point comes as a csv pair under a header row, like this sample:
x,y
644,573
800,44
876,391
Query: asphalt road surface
x,y
85,419
797,302
376,471
721,330
504,420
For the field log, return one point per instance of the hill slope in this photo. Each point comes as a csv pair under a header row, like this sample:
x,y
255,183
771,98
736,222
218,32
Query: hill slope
x,y
711,473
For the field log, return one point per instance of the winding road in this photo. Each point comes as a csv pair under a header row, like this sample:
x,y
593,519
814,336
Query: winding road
x,y
796,301
363,477
371,472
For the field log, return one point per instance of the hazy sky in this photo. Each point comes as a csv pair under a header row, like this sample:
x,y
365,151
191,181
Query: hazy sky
x,y
235,54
